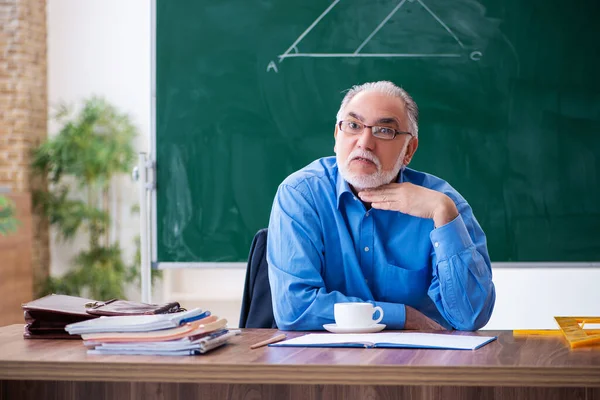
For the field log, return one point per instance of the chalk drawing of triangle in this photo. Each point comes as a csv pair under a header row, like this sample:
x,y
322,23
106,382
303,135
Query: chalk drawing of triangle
x,y
442,40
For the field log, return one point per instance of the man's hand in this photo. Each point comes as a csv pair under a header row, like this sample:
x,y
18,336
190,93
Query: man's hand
x,y
417,321
412,200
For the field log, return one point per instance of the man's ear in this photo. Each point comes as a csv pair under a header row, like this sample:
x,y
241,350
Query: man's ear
x,y
413,144
335,132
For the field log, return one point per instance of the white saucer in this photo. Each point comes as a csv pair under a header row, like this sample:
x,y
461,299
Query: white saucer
x,y
367,329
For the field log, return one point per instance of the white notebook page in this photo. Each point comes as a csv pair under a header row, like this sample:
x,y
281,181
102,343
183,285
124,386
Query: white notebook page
x,y
410,339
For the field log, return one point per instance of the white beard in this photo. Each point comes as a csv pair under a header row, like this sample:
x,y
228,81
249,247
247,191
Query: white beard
x,y
360,181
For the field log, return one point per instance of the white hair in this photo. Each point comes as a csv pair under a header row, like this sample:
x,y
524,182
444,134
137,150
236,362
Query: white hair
x,y
390,89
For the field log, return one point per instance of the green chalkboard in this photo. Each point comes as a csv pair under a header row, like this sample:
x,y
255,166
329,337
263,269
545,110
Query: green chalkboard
x,y
509,93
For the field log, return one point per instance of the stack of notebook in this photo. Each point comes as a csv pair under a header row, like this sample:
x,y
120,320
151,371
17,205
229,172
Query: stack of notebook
x,y
186,333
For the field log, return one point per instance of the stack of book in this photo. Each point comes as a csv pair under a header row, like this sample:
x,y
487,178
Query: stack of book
x,y
185,333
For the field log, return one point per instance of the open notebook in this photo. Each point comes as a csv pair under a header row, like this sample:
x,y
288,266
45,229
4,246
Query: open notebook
x,y
389,340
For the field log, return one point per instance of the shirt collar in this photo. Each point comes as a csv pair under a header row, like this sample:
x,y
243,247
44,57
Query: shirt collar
x,y
343,187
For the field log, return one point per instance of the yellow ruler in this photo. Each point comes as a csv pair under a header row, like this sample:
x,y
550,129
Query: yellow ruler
x,y
572,328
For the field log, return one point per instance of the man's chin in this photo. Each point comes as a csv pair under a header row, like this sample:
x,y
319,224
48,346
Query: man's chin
x,y
364,181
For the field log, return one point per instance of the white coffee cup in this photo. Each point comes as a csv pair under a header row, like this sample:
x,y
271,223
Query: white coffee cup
x,y
355,315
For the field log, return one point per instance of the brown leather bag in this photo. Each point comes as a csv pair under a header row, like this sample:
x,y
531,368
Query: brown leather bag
x,y
47,317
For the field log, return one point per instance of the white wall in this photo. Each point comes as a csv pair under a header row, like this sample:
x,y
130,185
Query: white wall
x,y
530,298
103,47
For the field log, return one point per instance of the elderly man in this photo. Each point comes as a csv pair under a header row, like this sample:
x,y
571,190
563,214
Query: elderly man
x,y
362,227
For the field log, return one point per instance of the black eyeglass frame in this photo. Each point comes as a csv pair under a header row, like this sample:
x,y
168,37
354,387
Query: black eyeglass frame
x,y
396,132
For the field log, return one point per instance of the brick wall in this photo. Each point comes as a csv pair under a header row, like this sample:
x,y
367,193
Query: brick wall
x,y
23,107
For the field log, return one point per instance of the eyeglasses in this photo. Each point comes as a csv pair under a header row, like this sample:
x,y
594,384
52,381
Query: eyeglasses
x,y
381,132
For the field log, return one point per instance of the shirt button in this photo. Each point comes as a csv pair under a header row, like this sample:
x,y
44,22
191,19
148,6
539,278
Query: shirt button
x,y
367,214
437,244
355,198
367,248
366,281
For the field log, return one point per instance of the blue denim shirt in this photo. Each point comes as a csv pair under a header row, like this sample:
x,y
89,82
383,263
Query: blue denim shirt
x,y
325,247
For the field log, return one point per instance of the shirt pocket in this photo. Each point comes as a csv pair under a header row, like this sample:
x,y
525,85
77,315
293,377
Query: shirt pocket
x,y
406,285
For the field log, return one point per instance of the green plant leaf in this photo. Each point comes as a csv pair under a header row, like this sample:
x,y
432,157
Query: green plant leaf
x,y
93,145
8,222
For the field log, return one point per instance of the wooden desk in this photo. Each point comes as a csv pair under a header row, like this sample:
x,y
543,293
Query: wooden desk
x,y
512,368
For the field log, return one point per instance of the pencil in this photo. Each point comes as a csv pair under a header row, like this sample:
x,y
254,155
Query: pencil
x,y
274,339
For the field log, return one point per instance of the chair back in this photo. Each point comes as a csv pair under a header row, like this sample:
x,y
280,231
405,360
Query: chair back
x,y
257,306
